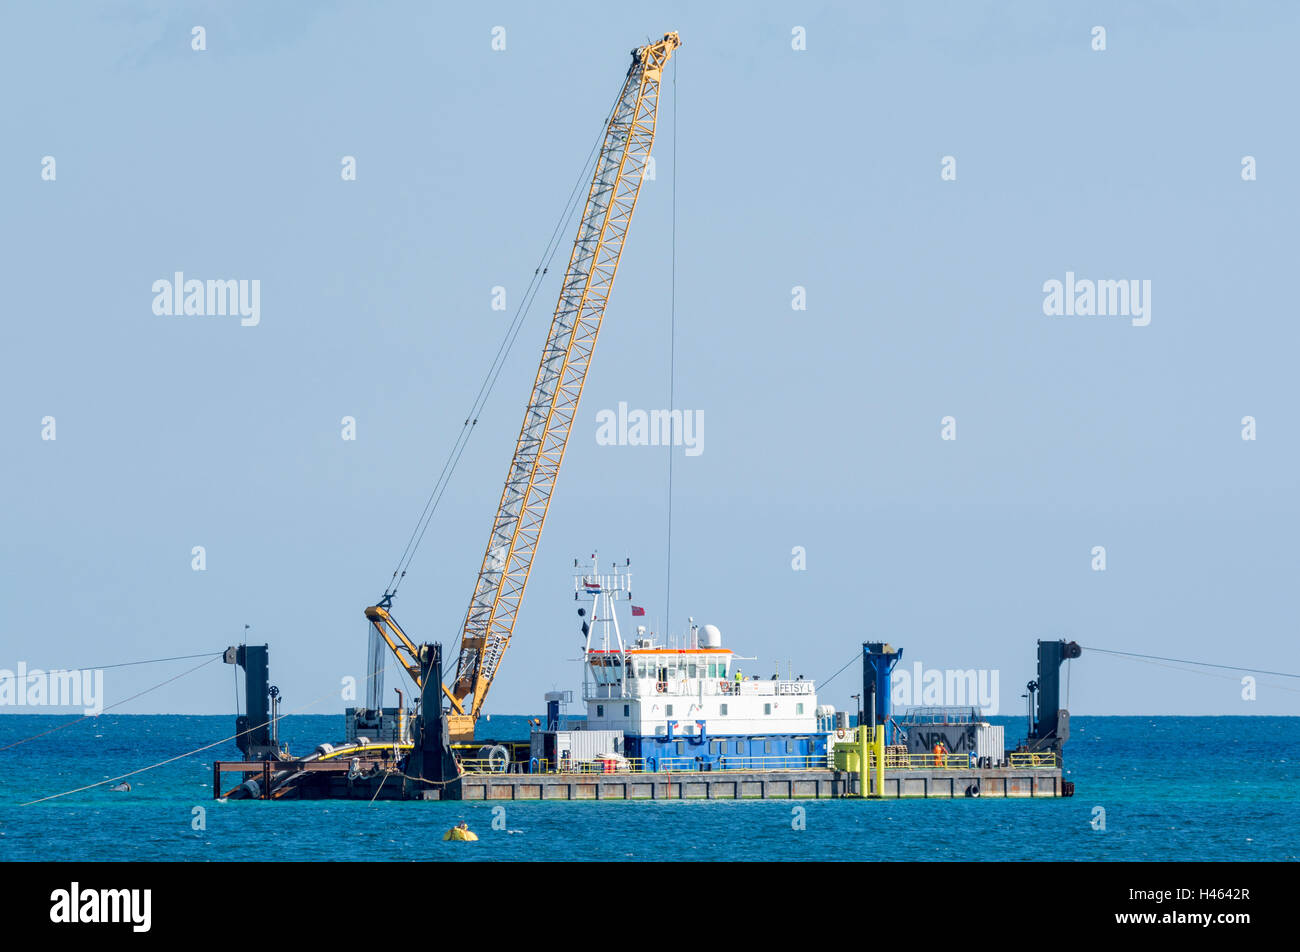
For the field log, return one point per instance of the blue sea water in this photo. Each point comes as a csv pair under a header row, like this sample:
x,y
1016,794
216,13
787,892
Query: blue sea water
x,y
1172,788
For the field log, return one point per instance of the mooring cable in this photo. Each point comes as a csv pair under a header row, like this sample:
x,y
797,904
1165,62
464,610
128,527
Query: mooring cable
x,y
109,707
1153,659
333,692
1160,663
822,684
127,664
381,785
198,750
1203,664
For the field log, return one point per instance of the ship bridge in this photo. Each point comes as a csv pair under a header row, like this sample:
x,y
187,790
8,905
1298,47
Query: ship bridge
x,y
690,701
644,672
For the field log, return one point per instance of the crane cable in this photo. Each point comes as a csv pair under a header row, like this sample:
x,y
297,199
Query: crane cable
x,y
471,419
672,366
497,365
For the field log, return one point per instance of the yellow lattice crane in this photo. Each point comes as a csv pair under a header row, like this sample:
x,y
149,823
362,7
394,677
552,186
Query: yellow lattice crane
x,y
548,419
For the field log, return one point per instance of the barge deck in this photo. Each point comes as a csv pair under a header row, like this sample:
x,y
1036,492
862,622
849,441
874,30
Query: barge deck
x,y
330,780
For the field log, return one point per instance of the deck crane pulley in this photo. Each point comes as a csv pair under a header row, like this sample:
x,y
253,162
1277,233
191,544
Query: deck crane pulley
x,y
553,404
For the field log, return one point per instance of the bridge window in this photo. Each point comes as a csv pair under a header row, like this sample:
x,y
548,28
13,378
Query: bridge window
x,y
600,710
798,708
767,708
668,710
722,709
627,710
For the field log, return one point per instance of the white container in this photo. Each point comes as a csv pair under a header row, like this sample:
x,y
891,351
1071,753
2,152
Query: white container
x,y
990,742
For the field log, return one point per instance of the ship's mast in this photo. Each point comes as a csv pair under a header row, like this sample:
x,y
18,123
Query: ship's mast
x,y
600,620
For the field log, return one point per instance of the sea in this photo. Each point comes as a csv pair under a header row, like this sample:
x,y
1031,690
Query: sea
x,y
1146,788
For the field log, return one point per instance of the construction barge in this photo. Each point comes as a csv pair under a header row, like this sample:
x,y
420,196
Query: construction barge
x,y
664,720
933,752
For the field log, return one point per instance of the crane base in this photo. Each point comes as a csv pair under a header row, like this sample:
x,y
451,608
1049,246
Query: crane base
x,y
460,728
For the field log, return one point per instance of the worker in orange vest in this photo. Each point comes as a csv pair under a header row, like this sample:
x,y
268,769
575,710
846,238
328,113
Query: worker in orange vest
x,y
938,754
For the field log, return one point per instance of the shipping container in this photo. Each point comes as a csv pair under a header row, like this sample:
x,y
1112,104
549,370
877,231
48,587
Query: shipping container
x,y
990,743
577,747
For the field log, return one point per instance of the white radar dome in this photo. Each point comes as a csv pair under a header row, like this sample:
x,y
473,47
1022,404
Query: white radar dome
x,y
710,637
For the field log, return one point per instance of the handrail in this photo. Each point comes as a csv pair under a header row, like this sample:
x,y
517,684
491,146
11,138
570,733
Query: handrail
x,y
723,763
1042,758
738,763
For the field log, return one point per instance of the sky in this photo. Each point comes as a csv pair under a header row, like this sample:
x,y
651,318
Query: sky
x,y
818,168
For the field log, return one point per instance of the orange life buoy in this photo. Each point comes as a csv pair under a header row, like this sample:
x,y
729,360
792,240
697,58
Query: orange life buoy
x,y
839,732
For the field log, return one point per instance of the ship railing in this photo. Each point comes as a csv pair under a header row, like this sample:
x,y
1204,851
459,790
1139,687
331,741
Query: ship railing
x,y
604,766
686,686
726,762
769,688
642,765
477,765
897,760
770,762
566,766
736,762
794,687
946,761
1042,758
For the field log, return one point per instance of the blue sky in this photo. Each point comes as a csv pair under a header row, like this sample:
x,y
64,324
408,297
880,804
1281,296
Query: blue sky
x,y
817,168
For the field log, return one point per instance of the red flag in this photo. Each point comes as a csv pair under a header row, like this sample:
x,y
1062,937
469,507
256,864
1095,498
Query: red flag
x,y
637,611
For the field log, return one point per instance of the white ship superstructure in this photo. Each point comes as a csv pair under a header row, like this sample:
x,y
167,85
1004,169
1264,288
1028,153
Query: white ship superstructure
x,y
688,705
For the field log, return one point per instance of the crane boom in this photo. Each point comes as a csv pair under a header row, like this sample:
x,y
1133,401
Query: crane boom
x,y
553,403
566,358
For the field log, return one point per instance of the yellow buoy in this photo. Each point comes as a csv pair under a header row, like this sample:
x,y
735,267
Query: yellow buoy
x,y
460,832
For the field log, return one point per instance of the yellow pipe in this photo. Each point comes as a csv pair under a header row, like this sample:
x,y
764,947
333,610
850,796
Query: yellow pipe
x,y
862,761
352,750
880,760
